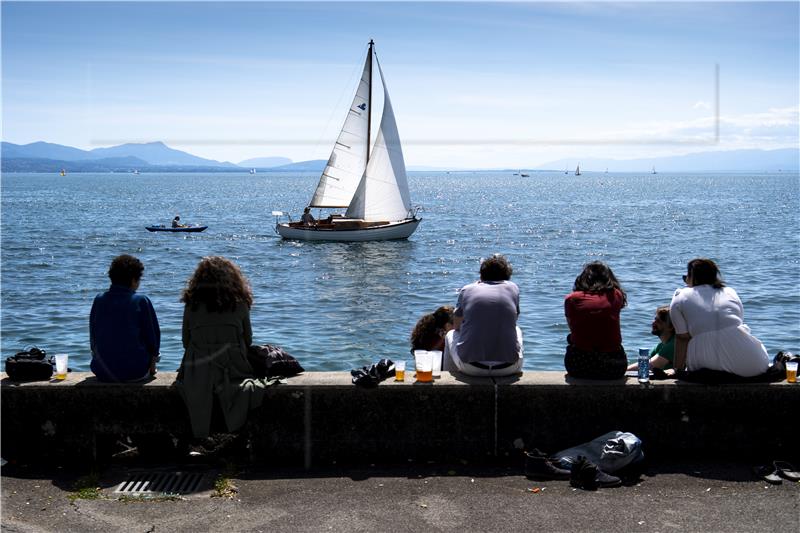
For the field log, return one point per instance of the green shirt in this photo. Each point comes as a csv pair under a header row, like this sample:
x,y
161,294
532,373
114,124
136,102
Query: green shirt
x,y
666,350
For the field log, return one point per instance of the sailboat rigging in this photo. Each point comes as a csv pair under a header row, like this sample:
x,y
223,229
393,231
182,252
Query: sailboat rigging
x,y
367,179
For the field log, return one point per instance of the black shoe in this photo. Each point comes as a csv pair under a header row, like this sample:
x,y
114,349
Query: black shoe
x,y
585,475
538,467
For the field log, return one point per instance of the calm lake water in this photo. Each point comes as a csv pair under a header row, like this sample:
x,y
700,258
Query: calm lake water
x,y
337,306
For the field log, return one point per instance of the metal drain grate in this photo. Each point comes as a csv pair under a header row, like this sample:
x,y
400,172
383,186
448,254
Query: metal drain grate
x,y
160,483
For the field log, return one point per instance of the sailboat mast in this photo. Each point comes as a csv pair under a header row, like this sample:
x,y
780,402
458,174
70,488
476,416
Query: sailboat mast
x,y
369,102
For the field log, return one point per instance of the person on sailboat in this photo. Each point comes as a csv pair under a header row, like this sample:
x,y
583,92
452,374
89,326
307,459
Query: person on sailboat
x,y
486,340
176,222
307,218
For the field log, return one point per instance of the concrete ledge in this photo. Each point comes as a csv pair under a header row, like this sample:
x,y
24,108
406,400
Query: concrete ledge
x,y
320,417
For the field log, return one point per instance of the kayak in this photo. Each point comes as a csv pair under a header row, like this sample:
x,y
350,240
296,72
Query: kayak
x,y
185,229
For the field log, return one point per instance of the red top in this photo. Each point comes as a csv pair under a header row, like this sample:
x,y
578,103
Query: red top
x,y
594,320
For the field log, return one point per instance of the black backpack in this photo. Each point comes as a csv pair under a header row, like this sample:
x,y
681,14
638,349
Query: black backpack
x,y
30,365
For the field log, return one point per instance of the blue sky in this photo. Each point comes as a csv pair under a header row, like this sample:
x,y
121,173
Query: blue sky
x,y
479,84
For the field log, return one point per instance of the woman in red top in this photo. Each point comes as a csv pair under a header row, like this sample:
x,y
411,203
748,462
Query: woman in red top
x,y
594,345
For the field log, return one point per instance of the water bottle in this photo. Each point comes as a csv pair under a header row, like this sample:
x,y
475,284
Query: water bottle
x,y
644,365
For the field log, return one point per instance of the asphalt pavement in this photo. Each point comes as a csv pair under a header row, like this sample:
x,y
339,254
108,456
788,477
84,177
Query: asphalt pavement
x,y
413,497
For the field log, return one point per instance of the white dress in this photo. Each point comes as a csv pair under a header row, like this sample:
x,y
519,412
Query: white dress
x,y
720,339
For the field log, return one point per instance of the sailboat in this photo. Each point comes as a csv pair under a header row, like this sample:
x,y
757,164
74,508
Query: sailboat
x,y
252,171
654,171
566,170
368,179
578,170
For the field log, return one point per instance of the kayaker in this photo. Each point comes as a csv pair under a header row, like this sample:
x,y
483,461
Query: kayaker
x,y
176,222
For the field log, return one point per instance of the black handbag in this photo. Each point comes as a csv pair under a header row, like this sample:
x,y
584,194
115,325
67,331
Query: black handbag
x,y
270,361
30,365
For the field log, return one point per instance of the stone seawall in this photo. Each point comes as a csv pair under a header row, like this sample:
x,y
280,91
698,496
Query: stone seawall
x,y
320,417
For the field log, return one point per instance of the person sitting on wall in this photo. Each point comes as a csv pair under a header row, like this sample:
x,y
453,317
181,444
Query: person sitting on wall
x,y
123,327
594,344
485,340
662,356
216,335
709,325
307,218
430,330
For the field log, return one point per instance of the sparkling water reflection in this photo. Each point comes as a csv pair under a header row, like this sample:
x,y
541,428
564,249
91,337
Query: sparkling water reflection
x,y
341,305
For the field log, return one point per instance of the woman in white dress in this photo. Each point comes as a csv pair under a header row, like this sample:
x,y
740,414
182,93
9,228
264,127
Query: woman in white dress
x,y
709,325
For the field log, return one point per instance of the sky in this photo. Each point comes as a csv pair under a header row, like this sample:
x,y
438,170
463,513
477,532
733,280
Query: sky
x,y
473,85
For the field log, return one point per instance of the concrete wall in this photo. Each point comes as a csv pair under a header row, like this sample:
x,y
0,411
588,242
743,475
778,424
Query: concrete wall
x,y
320,417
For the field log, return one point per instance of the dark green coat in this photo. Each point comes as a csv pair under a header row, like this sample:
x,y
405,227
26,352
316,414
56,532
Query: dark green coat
x,y
215,364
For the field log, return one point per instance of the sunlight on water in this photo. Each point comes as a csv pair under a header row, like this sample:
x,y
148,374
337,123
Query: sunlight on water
x,y
336,306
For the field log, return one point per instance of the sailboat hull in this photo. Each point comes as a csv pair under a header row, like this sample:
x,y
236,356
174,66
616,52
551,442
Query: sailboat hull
x,y
386,232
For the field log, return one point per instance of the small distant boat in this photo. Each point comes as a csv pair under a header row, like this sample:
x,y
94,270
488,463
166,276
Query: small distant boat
x,y
525,175
566,170
63,172
654,171
136,172
252,171
606,170
578,170
184,229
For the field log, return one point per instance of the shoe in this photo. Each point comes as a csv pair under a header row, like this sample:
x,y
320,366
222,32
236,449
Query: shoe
x,y
768,473
585,475
539,467
786,470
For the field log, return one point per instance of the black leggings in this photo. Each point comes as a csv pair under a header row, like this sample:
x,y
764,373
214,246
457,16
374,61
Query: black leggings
x,y
595,365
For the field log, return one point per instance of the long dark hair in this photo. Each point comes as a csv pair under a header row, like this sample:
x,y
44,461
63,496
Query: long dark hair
x,y
219,284
597,277
425,333
704,272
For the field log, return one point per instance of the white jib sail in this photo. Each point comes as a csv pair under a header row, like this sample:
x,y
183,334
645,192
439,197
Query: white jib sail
x,y
345,166
382,193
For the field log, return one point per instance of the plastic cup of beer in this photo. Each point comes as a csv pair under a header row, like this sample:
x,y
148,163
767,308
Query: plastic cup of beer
x,y
437,363
423,360
791,371
400,371
61,365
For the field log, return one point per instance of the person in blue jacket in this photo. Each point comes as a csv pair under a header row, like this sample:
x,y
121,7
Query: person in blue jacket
x,y
123,327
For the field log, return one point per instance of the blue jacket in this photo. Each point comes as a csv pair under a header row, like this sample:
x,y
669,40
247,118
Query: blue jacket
x,y
124,334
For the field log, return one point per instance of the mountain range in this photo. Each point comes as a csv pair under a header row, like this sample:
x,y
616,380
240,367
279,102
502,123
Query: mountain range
x,y
158,157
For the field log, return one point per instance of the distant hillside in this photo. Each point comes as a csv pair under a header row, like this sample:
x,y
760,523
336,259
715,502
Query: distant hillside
x,y
109,164
265,162
155,153
786,159
315,165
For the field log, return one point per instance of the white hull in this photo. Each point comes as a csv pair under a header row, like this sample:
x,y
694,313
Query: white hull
x,y
388,232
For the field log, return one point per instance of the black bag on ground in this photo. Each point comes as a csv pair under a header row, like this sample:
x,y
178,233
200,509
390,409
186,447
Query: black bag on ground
x,y
30,365
270,361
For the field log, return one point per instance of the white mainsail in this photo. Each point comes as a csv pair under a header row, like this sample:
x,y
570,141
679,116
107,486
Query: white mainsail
x,y
346,164
382,193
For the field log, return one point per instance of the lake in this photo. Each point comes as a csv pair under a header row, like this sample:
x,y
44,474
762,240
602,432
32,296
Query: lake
x,y
338,306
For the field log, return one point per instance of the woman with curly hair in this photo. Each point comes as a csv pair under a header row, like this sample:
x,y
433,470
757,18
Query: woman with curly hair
x,y
430,330
216,335
594,344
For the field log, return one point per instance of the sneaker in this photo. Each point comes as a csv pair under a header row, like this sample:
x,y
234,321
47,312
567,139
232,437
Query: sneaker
x,y
539,467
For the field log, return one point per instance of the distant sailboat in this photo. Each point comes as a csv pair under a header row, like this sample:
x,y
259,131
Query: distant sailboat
x,y
578,170
654,171
524,175
566,170
136,171
252,171
367,178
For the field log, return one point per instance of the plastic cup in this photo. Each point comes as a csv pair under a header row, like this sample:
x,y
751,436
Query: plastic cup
x,y
791,371
437,363
423,360
61,365
400,371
